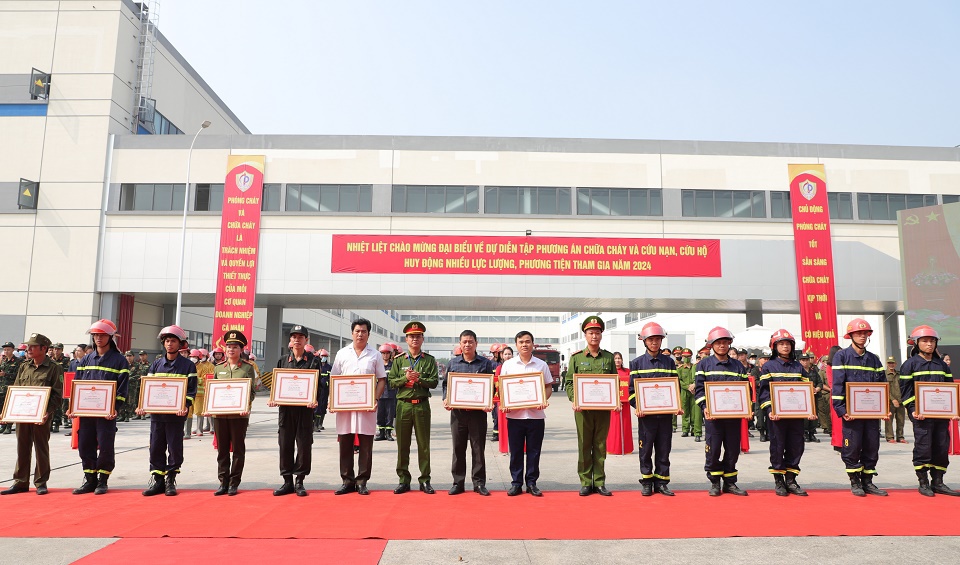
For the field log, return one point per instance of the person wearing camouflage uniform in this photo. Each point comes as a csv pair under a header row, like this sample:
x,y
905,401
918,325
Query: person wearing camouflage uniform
x,y
692,419
57,356
9,365
897,412
810,426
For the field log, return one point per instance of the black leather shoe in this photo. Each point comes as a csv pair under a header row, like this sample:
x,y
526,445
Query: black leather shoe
x,y
232,491
532,489
42,489
221,491
732,488
402,488
685,434
696,439
286,488
664,490
514,490
602,491
298,487
456,489
362,489
427,489
481,490
345,489
586,491
646,489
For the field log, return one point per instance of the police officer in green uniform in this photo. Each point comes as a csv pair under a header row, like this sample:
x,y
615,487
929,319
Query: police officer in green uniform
x,y
897,411
137,369
60,359
592,425
231,429
133,394
9,364
413,374
692,419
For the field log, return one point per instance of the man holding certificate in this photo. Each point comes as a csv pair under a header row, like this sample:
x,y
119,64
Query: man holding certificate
x,y
166,430
36,370
526,426
413,374
231,429
104,363
358,359
296,422
931,435
722,433
655,431
861,437
468,425
786,434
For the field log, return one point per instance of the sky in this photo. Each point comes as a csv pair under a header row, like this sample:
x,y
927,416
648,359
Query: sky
x,y
876,73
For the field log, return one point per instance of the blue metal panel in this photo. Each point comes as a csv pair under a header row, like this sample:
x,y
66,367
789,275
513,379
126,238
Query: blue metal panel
x,y
23,109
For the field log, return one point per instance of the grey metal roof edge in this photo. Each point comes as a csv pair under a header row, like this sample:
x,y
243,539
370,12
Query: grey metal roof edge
x,y
190,70
545,145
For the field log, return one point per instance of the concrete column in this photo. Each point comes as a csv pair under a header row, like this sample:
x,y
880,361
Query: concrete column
x,y
891,337
109,306
754,313
275,344
169,314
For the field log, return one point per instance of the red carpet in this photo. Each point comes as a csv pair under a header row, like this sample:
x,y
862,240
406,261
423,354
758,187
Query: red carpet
x,y
384,515
163,551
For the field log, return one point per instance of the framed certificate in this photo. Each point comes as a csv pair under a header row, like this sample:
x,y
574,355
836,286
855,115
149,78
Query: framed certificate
x,y
791,399
294,387
352,392
868,400
936,400
728,399
92,399
470,391
227,396
657,396
25,404
163,395
522,390
596,392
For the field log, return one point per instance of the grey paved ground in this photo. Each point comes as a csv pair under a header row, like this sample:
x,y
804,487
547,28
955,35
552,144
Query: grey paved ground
x,y
821,469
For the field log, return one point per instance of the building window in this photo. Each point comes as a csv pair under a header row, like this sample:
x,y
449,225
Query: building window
x,y
723,203
151,197
841,205
950,198
780,205
329,198
209,198
422,199
619,202
526,200
885,206
271,198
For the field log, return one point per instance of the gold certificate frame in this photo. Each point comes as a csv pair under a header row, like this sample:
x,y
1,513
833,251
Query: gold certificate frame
x,y
470,391
163,395
25,404
659,395
937,400
596,392
792,399
225,397
92,399
868,401
352,393
294,387
522,390
728,399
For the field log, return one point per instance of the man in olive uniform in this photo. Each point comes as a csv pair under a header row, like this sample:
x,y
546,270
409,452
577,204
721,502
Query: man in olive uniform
x,y
413,374
692,419
36,370
231,429
811,372
64,361
9,364
592,425
133,388
823,400
897,411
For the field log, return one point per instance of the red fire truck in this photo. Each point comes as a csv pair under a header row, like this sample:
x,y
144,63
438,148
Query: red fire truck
x,y
551,357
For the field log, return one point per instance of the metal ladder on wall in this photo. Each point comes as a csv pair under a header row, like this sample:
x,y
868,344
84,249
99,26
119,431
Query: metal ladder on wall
x,y
143,103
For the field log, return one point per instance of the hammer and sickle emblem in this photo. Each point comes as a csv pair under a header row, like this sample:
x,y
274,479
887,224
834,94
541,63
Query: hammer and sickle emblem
x,y
911,220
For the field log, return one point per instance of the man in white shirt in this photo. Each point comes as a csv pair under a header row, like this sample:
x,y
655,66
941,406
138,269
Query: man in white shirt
x,y
527,425
358,359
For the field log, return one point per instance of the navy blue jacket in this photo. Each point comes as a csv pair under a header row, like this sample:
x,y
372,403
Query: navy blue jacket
x,y
777,369
848,366
711,369
179,367
647,367
919,369
111,366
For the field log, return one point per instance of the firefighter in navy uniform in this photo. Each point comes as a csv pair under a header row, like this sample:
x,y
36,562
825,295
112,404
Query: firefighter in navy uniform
x,y
931,436
725,432
786,435
166,430
861,438
654,431
96,436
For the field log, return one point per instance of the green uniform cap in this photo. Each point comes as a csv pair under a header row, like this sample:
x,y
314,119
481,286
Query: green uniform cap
x,y
237,337
39,339
414,327
592,322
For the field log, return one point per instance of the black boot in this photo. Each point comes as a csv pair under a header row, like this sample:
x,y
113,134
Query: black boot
x,y
5,429
89,484
924,489
763,435
715,489
856,487
813,437
389,435
157,486
732,488
792,487
316,423
780,486
101,484
868,487
298,486
321,422
171,489
936,483
646,488
286,487
381,435
56,427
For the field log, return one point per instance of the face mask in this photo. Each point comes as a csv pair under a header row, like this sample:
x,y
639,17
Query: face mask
x,y
686,359
194,359
323,359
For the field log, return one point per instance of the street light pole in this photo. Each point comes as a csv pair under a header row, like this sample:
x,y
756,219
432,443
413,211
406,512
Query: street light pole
x,y
183,228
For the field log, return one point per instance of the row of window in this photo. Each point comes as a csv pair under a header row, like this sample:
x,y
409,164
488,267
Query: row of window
x,y
349,198
466,318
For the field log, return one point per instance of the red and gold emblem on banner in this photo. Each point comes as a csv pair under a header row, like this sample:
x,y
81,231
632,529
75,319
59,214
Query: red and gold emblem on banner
x,y
814,256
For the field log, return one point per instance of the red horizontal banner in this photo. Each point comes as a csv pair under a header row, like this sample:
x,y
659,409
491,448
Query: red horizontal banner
x,y
569,256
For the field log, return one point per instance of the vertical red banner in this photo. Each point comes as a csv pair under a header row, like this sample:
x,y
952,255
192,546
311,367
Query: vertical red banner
x,y
239,246
814,256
